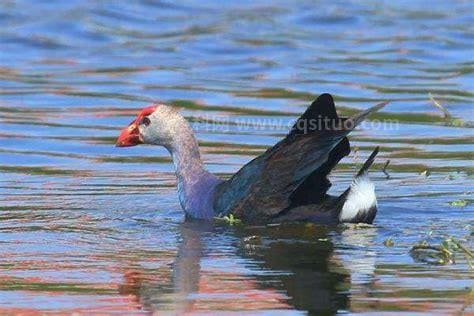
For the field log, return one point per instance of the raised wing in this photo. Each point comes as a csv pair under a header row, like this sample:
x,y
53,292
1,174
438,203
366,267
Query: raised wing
x,y
295,166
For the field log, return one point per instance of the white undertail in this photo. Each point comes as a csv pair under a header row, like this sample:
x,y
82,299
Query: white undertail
x,y
360,200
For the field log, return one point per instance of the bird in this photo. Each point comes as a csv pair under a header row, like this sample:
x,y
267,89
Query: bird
x,y
287,183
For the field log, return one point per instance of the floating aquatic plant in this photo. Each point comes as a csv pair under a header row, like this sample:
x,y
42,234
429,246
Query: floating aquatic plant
x,y
388,242
459,203
357,225
229,219
442,254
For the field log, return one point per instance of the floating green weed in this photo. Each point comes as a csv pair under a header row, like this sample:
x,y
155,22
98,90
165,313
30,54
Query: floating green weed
x,y
459,203
229,219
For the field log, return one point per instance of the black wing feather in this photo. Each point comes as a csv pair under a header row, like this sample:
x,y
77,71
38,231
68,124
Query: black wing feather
x,y
266,186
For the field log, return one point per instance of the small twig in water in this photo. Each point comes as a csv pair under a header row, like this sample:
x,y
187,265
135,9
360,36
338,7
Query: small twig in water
x,y
384,169
446,114
466,250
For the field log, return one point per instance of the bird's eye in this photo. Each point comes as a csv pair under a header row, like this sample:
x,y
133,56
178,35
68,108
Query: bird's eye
x,y
145,121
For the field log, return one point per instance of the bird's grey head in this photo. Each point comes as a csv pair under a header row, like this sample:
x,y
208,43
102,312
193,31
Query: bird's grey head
x,y
157,124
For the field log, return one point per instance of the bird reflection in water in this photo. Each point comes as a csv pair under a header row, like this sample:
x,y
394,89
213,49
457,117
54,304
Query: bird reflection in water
x,y
217,267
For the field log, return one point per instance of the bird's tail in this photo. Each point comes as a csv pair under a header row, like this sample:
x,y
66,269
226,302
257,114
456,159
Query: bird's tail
x,y
358,204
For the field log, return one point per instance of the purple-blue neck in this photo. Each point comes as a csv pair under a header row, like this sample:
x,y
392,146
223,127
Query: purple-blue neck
x,y
196,186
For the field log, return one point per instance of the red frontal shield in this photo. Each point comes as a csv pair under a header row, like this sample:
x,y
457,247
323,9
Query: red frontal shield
x,y
130,135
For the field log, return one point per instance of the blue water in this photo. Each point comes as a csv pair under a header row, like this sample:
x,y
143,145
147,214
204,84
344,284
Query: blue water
x,y
87,227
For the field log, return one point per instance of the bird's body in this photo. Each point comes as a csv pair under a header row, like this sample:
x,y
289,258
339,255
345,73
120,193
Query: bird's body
x,y
287,183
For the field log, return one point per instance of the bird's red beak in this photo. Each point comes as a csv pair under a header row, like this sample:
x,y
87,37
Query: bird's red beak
x,y
130,135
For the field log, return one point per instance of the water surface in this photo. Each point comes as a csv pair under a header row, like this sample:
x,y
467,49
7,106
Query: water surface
x,y
85,226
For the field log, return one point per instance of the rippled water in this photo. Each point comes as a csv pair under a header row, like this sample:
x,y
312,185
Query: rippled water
x,y
85,226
